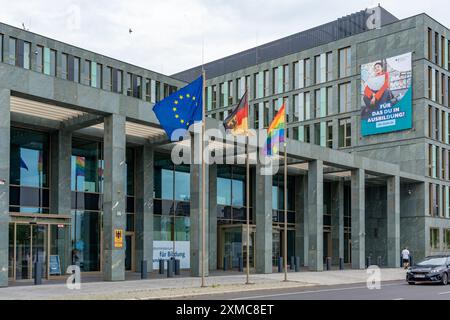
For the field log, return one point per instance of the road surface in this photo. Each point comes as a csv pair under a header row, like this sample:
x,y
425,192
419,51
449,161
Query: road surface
x,y
390,290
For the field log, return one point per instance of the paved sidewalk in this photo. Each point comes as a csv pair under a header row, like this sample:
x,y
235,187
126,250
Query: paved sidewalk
x,y
188,286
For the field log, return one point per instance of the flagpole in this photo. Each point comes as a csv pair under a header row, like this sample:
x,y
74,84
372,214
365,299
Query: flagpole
x,y
203,181
285,198
248,199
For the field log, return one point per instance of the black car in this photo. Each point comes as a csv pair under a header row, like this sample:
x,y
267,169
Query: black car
x,y
431,269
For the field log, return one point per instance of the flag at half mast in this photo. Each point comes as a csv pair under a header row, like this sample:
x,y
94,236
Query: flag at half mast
x,y
237,121
276,132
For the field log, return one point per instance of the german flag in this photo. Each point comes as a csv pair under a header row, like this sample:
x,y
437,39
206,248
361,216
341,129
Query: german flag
x,y
237,121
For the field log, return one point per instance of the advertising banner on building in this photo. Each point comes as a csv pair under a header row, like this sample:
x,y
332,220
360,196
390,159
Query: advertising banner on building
x,y
386,94
164,250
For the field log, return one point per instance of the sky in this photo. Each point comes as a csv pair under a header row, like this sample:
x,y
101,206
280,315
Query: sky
x,y
169,36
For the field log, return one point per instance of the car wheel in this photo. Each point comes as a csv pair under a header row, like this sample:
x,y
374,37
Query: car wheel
x,y
411,283
444,280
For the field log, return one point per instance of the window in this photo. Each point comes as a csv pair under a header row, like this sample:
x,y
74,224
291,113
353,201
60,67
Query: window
x,y
275,81
1,48
307,72
19,53
87,72
148,90
296,81
307,105
329,100
430,121
317,78
76,69
50,62
443,119
345,133
285,78
345,97
266,111
436,48
434,238
116,80
430,44
266,83
157,91
434,196
436,123
64,66
230,93
330,134
134,86
345,62
39,58
307,134
258,85
295,115
99,76
12,51
316,103
430,83
256,115
329,68
222,95
213,97
430,160
447,239
443,42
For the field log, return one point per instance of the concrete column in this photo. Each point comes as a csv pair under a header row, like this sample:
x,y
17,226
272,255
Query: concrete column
x,y
196,211
393,221
315,215
305,222
358,218
61,153
299,218
337,223
5,129
263,218
213,232
114,217
144,206
335,133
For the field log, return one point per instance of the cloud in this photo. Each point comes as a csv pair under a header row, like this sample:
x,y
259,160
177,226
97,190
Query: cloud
x,y
168,35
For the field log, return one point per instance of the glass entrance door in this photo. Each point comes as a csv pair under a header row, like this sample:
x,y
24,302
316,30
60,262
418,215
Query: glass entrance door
x,y
129,245
31,243
23,252
233,246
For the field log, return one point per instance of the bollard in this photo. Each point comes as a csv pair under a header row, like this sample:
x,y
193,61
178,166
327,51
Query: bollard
x,y
177,267
241,264
144,274
297,264
328,263
170,268
280,264
410,261
341,264
368,261
161,266
292,266
38,273
225,263
379,261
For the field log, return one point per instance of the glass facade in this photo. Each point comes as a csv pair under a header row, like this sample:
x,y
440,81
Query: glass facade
x,y
29,175
172,200
231,195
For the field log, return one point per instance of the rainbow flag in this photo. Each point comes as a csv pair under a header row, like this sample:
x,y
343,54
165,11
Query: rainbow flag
x,y
40,162
80,165
276,132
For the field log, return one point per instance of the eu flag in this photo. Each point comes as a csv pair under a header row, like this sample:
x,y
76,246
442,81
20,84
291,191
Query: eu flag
x,y
180,109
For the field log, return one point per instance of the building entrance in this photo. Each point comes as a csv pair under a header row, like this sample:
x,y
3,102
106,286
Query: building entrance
x,y
233,246
38,242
